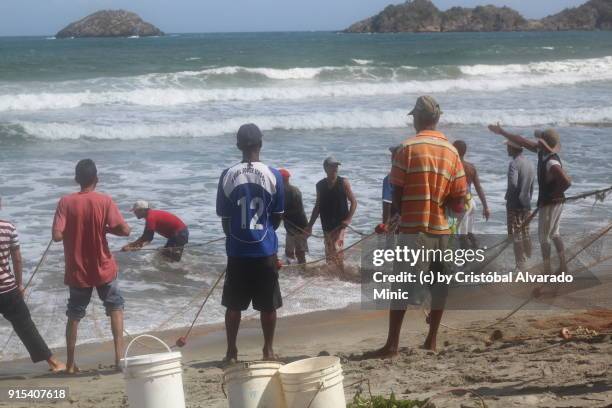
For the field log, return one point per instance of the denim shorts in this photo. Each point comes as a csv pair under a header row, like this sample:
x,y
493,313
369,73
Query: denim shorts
x,y
179,240
108,293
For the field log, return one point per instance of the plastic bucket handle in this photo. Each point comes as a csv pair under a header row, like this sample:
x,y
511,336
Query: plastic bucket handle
x,y
127,349
321,386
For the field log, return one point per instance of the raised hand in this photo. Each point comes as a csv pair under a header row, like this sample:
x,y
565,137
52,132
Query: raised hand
x,y
497,129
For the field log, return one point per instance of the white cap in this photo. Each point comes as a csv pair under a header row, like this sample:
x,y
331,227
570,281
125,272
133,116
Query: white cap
x,y
141,205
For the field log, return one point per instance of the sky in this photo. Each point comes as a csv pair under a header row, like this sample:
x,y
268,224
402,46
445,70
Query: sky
x,y
46,17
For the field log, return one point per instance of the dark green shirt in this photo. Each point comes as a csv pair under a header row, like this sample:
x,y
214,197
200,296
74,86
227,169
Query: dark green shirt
x,y
294,210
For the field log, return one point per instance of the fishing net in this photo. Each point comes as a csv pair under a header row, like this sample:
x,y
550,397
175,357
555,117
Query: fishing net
x,y
171,294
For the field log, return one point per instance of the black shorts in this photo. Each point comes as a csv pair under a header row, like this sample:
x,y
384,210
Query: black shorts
x,y
252,279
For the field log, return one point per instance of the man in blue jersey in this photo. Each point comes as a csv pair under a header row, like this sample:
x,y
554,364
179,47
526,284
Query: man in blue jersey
x,y
250,202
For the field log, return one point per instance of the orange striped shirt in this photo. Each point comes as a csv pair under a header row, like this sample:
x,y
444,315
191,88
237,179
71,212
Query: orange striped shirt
x,y
429,171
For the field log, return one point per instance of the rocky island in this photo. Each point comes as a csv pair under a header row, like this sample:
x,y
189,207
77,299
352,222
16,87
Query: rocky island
x,y
424,16
109,23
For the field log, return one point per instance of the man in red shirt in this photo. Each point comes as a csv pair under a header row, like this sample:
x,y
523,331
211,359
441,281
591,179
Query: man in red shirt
x,y
165,224
82,221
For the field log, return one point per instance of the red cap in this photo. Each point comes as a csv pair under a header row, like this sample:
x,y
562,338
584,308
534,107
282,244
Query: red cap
x,y
285,173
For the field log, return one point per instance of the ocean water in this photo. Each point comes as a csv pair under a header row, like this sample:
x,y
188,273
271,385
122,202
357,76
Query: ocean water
x,y
159,116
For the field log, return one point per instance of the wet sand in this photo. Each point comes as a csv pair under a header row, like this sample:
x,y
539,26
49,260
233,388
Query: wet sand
x,y
530,366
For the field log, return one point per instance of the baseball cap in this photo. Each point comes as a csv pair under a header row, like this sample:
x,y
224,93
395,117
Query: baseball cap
x,y
426,106
285,173
550,138
331,161
141,205
249,135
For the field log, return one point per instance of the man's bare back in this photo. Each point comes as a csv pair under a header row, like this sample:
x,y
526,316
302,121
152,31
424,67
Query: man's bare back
x,y
470,172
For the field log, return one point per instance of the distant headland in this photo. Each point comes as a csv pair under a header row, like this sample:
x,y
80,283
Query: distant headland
x,y
109,23
424,16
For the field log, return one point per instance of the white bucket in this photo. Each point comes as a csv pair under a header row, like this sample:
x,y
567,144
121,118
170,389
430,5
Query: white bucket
x,y
253,385
313,383
153,380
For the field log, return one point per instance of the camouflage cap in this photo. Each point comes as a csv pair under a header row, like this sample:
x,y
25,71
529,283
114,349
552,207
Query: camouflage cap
x,y
426,107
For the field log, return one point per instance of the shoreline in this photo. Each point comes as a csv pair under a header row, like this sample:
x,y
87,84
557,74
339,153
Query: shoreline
x,y
501,372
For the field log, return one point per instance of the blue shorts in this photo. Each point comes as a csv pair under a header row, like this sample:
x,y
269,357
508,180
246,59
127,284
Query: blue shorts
x,y
108,293
179,240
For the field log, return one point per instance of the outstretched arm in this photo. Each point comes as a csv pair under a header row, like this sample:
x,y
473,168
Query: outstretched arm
x,y
145,239
519,140
481,194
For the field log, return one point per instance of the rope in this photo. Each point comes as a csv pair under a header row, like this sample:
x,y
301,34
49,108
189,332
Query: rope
x,y
203,244
600,195
349,227
363,234
532,296
179,311
302,230
188,332
38,265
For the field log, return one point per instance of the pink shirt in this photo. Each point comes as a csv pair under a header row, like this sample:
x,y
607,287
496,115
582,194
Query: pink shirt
x,y
83,219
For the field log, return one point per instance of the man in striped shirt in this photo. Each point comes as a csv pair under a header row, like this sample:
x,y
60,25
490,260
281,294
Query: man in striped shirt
x,y
427,177
12,304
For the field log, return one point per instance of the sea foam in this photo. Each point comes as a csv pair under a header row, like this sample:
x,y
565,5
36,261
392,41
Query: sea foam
x,y
353,119
169,89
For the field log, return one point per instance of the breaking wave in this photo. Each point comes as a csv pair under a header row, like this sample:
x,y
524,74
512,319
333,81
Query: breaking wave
x,y
354,119
171,89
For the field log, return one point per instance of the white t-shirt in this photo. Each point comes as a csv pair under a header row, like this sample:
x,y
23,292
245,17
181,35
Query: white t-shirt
x,y
549,165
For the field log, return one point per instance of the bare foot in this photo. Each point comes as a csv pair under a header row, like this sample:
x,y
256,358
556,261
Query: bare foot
x,y
55,365
228,361
268,355
430,344
231,357
73,369
382,353
271,357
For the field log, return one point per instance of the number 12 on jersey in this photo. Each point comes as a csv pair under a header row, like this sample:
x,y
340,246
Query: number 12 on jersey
x,y
257,204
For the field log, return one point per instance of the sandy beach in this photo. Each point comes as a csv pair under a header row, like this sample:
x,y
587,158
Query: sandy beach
x,y
159,116
529,366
